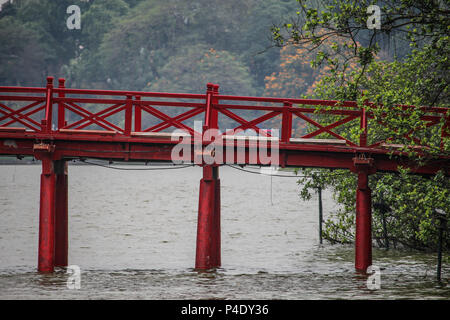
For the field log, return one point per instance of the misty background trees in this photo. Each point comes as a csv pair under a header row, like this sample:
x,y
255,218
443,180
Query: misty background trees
x,y
162,45
159,45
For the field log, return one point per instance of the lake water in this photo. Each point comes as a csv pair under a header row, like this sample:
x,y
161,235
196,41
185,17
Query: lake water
x,y
132,233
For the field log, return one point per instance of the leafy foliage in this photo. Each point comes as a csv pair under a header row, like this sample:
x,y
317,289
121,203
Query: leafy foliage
x,y
127,44
419,78
21,54
193,66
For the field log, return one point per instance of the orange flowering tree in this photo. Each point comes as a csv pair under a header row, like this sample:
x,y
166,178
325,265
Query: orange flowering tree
x,y
295,76
301,72
301,67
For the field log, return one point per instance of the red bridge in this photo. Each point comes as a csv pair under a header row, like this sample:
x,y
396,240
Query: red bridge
x,y
56,125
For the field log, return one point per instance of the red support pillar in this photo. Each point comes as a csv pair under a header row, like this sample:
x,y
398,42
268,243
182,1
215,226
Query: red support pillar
x,y
216,222
47,217
363,238
208,227
61,214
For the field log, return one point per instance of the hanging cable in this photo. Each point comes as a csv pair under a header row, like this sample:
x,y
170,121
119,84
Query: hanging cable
x,y
264,174
110,151
138,169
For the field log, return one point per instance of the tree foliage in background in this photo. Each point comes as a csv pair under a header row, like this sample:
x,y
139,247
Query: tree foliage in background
x,y
420,78
299,73
410,199
192,67
20,53
127,44
37,29
295,76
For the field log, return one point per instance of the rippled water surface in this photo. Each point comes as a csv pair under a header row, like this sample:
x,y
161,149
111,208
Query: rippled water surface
x,y
133,234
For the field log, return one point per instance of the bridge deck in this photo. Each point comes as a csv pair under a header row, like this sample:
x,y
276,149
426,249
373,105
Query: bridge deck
x,y
145,147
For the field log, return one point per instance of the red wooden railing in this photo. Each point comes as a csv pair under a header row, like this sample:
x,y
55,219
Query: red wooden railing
x,y
97,107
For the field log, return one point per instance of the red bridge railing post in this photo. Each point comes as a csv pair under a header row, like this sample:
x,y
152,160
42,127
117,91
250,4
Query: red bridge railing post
x,y
47,122
128,115
216,230
47,216
215,113
208,251
211,113
61,109
61,213
445,131
286,126
138,115
363,127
